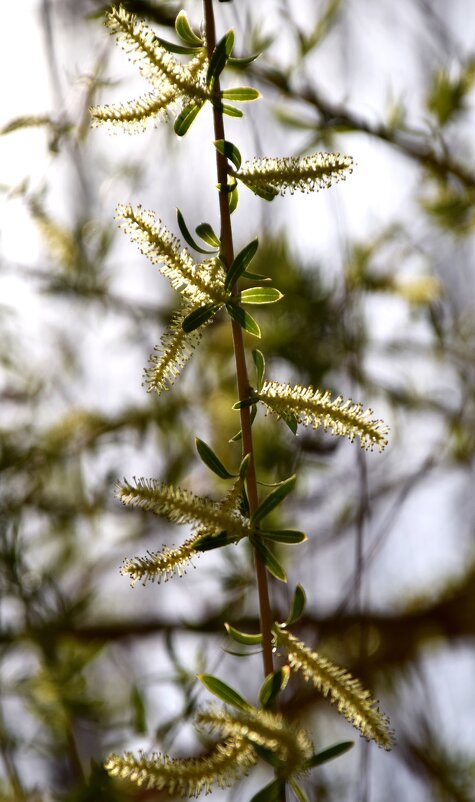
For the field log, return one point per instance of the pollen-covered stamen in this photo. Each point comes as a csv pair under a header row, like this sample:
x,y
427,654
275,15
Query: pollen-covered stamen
x,y
162,565
316,408
199,283
133,116
305,174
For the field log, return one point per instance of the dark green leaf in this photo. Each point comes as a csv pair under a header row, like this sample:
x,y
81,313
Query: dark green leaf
x,y
220,55
269,559
186,118
260,295
241,62
291,422
244,506
186,234
240,263
139,712
260,363
274,792
243,637
247,402
186,32
229,150
255,276
273,684
241,94
199,317
267,755
211,460
299,600
223,691
244,466
289,536
274,499
210,542
231,111
244,319
173,48
205,231
330,753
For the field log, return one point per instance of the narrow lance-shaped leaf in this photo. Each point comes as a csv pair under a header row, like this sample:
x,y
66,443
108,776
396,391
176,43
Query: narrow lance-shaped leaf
x,y
243,637
229,150
181,50
276,789
185,31
260,295
260,363
244,319
205,231
240,263
219,58
273,684
186,118
199,317
223,691
297,607
330,754
287,536
274,498
187,235
241,94
269,559
231,111
211,460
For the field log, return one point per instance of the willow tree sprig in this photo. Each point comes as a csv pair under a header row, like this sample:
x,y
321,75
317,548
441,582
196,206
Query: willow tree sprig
x,y
351,699
227,763
316,408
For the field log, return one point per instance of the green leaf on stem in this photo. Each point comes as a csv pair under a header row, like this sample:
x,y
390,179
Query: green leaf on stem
x,y
205,231
244,319
241,94
267,755
180,49
231,111
265,191
274,499
186,117
241,62
273,684
269,559
299,600
211,460
260,364
244,466
247,402
228,149
274,792
288,536
291,421
233,200
186,32
210,542
240,263
223,691
260,295
330,753
199,317
243,637
187,235
238,435
255,276
219,57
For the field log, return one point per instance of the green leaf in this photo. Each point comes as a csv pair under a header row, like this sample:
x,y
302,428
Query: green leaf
x,y
238,435
186,118
291,421
243,468
231,111
241,94
244,319
299,600
211,460
223,692
247,402
260,295
205,231
273,684
267,755
220,55
229,150
260,364
274,499
139,711
210,542
269,559
240,263
241,62
255,276
233,200
199,317
266,191
298,791
243,637
289,536
186,32
173,48
187,236
274,792
330,753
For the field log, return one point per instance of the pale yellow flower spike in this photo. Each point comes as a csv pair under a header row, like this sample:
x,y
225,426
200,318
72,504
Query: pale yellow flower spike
x,y
181,506
200,284
316,408
155,566
306,174
291,744
189,777
351,699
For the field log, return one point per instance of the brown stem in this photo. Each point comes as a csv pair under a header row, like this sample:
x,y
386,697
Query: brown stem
x,y
227,254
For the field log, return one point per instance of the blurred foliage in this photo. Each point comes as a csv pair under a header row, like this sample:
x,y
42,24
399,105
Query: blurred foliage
x,y
85,664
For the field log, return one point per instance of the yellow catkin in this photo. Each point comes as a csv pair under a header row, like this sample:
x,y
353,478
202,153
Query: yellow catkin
x,y
305,174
